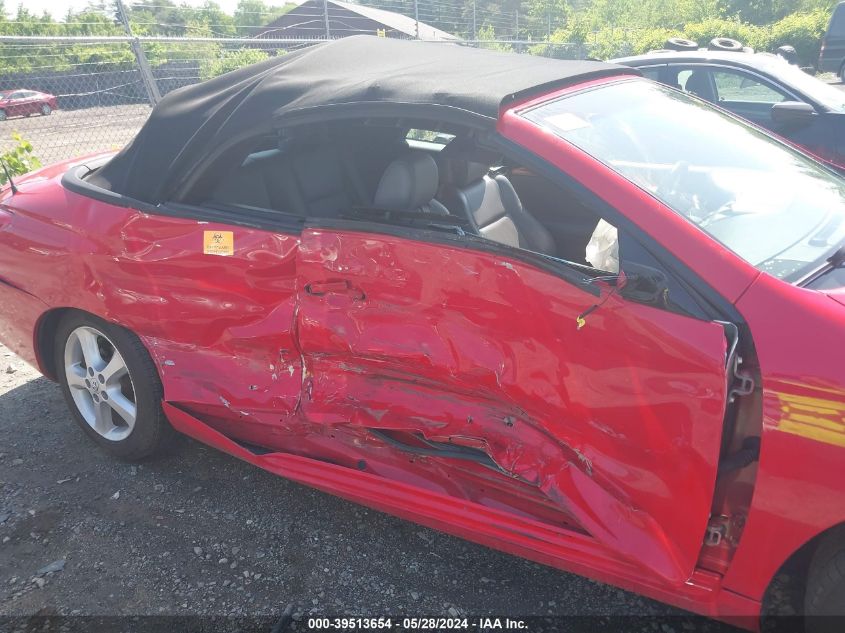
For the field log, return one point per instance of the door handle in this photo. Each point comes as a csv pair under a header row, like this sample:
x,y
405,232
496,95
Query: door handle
x,y
343,286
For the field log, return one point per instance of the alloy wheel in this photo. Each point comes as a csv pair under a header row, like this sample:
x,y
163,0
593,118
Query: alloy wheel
x,y
100,384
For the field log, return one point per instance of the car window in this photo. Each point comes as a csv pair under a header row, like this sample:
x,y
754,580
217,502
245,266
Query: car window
x,y
742,87
652,72
430,136
775,207
696,81
829,96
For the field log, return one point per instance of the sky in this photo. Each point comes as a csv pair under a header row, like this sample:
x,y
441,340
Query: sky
x,y
58,8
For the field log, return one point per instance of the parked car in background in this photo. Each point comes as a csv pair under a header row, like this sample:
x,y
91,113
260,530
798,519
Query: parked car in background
x,y
832,55
762,88
26,103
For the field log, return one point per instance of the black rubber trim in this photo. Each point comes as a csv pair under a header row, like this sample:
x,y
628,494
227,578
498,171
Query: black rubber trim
x,y
250,217
74,180
236,215
438,449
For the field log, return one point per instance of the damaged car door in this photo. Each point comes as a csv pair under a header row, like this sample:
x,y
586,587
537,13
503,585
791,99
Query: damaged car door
x,y
466,357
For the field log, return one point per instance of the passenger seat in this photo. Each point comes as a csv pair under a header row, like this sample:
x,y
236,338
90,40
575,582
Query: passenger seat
x,y
492,206
410,183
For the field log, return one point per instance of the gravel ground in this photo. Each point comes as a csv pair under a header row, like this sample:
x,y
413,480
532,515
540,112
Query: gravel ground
x,y
69,133
201,533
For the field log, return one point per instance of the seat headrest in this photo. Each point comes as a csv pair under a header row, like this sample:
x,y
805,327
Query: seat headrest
x,y
698,83
408,183
461,172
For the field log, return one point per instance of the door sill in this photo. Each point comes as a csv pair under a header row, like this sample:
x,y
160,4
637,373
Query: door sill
x,y
563,549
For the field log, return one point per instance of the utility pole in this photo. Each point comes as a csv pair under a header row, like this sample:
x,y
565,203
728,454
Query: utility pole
x,y
147,78
417,19
326,19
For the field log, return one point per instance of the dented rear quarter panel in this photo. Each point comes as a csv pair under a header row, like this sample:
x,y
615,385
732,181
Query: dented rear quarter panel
x,y
218,327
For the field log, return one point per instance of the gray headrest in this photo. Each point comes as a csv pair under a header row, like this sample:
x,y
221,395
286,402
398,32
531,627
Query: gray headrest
x,y
408,183
460,172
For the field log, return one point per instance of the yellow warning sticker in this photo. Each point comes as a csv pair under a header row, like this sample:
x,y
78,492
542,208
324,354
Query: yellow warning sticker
x,y
218,243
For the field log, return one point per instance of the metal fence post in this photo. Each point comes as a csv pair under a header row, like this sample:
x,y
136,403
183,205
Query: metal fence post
x,y
326,19
147,78
416,19
474,25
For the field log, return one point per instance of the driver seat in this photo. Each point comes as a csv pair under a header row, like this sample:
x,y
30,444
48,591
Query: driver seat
x,y
493,207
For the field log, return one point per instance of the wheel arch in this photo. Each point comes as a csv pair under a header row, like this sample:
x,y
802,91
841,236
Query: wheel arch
x,y
45,336
797,567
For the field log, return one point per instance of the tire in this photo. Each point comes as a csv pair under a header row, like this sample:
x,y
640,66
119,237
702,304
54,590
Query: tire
x,y
824,603
841,77
111,386
46,110
3,115
680,44
725,44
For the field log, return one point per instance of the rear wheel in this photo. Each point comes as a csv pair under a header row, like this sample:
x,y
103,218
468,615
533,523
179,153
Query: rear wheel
x,y
46,110
2,115
825,599
112,387
842,74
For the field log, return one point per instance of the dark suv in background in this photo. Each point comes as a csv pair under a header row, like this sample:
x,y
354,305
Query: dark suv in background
x,y
832,57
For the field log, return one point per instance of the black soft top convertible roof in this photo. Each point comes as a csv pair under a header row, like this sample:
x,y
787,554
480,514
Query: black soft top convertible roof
x,y
193,121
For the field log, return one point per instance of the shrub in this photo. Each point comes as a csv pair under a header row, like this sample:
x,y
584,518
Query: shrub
x,y
486,37
757,37
231,60
19,160
804,31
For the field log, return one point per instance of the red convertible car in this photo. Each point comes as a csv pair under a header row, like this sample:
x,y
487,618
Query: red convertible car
x,y
25,103
593,322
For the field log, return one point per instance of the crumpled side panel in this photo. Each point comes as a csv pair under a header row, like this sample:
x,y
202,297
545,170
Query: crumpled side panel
x,y
614,423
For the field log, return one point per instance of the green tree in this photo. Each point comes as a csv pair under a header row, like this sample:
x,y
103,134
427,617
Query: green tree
x,y
251,14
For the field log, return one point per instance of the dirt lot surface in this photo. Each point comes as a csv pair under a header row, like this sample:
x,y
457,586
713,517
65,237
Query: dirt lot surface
x,y
201,533
70,133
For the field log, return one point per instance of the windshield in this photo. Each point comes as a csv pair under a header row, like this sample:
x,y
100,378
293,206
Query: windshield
x,y
773,206
829,96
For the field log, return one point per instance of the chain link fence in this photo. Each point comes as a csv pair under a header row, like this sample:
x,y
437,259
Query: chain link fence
x,y
97,95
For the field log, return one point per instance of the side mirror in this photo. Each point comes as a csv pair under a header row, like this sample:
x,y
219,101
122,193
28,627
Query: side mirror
x,y
644,284
793,112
